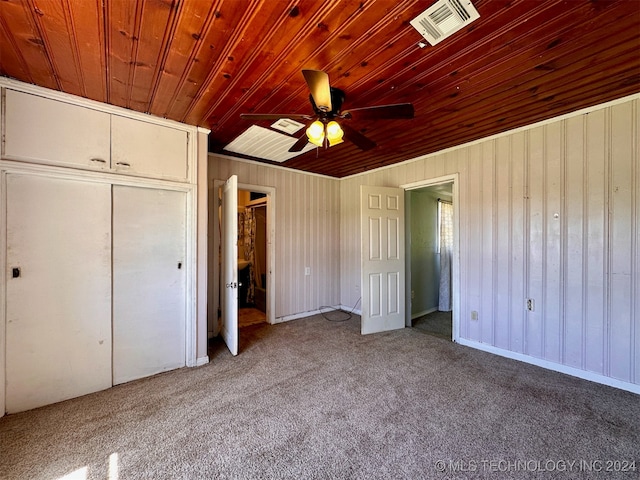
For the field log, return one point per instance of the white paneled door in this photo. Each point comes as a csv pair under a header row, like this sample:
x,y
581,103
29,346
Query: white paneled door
x,y
58,286
149,275
229,282
383,264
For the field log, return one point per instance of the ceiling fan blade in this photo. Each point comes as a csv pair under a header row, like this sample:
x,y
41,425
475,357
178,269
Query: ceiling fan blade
x,y
301,143
354,136
381,112
274,116
318,82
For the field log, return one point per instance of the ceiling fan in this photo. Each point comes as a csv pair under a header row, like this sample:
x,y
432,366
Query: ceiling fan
x,y
322,128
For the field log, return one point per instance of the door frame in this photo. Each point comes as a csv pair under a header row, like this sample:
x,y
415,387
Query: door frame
x,y
213,327
453,178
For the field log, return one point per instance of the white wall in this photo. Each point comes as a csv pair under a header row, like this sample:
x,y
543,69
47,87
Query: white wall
x,y
548,212
307,233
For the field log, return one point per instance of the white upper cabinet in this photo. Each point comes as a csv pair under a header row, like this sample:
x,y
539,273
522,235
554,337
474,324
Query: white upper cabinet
x,y
148,149
39,129
43,130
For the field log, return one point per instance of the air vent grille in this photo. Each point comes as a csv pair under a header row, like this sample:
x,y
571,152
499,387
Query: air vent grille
x,y
444,18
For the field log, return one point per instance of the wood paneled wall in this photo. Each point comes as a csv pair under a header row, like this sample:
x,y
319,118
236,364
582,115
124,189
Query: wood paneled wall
x,y
307,231
549,213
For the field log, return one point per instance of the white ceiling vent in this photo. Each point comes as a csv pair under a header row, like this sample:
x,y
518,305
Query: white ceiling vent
x,y
444,18
287,125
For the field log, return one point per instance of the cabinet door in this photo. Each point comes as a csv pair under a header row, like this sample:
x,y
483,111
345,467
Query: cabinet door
x,y
58,285
43,130
149,302
147,149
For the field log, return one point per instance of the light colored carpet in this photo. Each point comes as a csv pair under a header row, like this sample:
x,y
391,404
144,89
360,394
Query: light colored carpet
x,y
315,399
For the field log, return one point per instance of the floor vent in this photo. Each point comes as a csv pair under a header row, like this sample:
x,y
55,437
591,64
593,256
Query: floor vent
x,y
444,18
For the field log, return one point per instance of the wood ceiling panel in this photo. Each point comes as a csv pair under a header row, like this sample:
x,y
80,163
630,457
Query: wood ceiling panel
x,y
14,64
265,51
406,64
236,49
195,18
87,19
157,20
56,29
122,30
295,92
205,62
286,93
209,56
27,44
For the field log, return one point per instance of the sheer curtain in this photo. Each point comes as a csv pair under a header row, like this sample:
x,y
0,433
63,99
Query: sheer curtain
x,y
445,222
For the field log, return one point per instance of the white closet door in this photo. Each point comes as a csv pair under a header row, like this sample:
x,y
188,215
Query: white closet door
x,y
43,130
58,281
148,149
149,277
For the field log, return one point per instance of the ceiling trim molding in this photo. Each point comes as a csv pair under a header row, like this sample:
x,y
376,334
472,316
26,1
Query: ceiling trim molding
x,y
213,155
582,111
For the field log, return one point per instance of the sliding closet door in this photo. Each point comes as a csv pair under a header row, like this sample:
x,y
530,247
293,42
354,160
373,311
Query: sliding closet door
x,y
58,285
148,281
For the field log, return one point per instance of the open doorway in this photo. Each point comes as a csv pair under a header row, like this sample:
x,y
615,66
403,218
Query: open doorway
x,y
252,258
264,201
432,258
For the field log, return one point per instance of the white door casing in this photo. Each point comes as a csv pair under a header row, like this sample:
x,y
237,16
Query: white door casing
x,y
149,281
455,263
383,262
58,290
229,283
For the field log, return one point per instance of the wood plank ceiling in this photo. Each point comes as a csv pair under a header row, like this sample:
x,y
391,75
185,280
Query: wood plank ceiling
x,y
204,62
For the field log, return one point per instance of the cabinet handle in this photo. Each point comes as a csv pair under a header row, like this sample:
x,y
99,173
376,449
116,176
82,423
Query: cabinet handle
x,y
98,160
123,164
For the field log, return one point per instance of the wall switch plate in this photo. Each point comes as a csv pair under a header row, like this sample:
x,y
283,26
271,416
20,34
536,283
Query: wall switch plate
x,y
474,315
307,270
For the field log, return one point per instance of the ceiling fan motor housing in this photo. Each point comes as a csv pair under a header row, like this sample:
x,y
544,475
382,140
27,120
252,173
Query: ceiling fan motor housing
x,y
337,99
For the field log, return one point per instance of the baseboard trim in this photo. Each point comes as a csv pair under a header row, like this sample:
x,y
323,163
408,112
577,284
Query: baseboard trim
x,y
202,361
424,312
310,313
296,316
574,372
349,309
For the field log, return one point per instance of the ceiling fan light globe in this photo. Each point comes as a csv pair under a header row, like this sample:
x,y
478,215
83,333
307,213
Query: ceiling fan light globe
x,y
317,141
334,133
334,130
315,133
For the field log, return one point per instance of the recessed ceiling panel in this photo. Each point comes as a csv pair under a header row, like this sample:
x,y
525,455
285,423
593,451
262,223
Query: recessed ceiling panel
x,y
260,142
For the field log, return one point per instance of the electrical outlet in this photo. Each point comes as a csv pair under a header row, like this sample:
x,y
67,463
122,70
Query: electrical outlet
x,y
531,306
474,315
307,271
413,294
